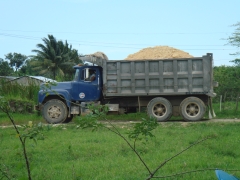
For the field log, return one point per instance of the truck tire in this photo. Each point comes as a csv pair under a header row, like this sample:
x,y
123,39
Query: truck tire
x,y
68,119
192,109
159,108
55,111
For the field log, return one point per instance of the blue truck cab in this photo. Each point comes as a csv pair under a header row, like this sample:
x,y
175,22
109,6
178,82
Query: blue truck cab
x,y
59,102
84,87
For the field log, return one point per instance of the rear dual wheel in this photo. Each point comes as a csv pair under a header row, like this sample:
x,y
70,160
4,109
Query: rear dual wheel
x,y
159,108
192,109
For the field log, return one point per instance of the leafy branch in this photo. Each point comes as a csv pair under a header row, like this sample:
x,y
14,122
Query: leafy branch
x,y
30,131
140,131
169,159
4,174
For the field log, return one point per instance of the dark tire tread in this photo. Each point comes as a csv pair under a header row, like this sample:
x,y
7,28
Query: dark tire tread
x,y
165,103
63,109
194,100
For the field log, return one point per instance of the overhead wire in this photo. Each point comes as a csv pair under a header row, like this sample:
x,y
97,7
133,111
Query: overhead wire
x,y
109,44
89,43
177,33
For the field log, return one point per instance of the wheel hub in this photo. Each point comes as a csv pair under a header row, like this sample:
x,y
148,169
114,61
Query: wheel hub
x,y
159,110
192,109
54,112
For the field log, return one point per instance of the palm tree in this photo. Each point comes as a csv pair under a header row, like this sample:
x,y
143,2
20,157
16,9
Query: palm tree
x,y
70,58
53,57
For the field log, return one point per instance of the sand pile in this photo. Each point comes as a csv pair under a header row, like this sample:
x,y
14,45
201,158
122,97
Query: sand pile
x,y
158,52
101,55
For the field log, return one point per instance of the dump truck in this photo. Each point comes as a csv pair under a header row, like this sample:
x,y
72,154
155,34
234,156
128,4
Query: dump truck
x,y
162,87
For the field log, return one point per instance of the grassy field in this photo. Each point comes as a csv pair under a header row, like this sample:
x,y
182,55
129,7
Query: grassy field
x,y
72,153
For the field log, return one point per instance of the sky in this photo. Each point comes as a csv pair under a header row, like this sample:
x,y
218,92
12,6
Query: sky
x,y
121,27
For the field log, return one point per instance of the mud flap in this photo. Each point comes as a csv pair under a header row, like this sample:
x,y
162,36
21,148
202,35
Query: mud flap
x,y
211,113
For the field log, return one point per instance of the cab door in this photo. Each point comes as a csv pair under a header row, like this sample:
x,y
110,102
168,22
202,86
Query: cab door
x,y
76,85
89,90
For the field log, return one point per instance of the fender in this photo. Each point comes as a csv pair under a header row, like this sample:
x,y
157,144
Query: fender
x,y
57,92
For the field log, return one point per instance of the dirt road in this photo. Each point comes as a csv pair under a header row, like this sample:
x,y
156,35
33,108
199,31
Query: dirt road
x,y
173,121
222,120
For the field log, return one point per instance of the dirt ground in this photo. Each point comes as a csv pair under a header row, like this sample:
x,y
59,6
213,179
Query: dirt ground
x,y
222,120
184,123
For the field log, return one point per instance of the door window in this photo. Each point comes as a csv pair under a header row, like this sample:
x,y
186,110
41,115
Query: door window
x,y
88,74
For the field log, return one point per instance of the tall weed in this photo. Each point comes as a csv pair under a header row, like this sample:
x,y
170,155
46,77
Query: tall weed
x,y
12,90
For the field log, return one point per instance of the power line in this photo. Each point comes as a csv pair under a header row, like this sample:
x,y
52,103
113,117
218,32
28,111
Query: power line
x,y
37,38
141,48
120,32
134,44
87,43
20,36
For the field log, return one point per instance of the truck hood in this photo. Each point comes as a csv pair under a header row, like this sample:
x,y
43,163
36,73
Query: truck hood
x,y
54,86
60,88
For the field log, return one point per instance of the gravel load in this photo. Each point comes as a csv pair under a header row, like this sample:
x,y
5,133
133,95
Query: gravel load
x,y
158,52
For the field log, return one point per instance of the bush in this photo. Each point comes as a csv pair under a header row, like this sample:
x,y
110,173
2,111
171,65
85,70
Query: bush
x,y
21,98
21,106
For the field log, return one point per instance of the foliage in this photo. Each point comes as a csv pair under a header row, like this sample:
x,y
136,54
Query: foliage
x,y
234,40
90,120
21,106
27,68
30,132
143,129
228,78
5,69
16,59
54,58
16,91
227,110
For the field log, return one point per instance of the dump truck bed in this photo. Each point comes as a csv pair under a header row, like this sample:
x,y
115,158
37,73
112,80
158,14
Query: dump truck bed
x,y
158,77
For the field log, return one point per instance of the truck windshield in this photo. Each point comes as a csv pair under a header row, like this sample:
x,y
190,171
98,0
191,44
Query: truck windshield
x,y
76,75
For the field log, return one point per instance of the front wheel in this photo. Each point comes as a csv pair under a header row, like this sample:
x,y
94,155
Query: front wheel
x,y
160,108
55,111
192,109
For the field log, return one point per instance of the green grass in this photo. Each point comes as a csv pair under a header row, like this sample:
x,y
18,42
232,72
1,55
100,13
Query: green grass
x,y
20,118
228,110
72,153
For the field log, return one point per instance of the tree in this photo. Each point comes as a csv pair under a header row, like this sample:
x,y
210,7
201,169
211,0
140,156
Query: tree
x,y
54,57
70,57
27,68
234,40
228,78
5,69
16,60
